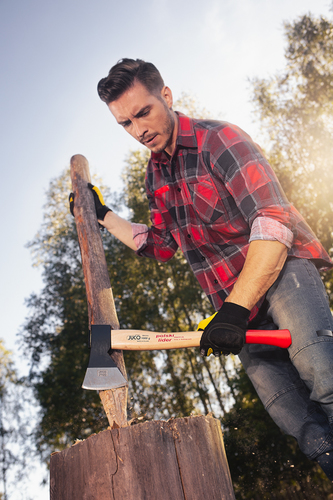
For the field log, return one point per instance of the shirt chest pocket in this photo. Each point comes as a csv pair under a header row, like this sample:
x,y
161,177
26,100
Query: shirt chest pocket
x,y
161,213
205,200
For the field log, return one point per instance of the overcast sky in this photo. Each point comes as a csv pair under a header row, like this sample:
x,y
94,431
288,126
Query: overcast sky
x,y
52,55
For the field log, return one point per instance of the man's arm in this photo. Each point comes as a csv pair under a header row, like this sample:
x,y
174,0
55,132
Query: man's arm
x,y
162,247
263,264
226,332
120,228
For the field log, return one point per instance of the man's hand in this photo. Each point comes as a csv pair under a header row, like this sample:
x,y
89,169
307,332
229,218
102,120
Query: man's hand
x,y
71,203
225,333
101,208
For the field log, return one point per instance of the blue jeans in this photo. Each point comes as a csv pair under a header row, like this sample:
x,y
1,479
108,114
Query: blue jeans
x,y
296,385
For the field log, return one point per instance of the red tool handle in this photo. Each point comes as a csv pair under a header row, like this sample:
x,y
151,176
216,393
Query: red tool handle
x,y
280,338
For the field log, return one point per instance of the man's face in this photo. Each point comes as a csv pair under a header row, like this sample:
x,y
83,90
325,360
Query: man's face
x,y
147,117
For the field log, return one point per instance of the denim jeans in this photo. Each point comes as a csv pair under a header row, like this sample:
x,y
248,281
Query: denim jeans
x,y
296,385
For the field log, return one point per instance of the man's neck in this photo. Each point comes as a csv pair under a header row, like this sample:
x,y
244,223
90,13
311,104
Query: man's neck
x,y
172,144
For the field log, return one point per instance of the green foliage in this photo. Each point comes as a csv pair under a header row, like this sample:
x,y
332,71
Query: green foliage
x,y
56,332
7,372
15,443
296,114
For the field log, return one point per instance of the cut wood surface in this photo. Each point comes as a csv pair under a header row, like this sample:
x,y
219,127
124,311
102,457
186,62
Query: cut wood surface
x,y
182,459
101,308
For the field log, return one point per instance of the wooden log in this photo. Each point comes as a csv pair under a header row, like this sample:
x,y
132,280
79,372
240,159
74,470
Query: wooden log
x,y
101,308
182,459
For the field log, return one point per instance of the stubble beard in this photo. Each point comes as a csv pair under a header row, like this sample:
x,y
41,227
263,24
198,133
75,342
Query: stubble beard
x,y
168,127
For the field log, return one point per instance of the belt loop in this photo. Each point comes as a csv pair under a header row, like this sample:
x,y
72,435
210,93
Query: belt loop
x,y
324,333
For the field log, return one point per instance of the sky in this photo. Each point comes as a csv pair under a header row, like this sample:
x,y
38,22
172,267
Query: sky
x,y
52,55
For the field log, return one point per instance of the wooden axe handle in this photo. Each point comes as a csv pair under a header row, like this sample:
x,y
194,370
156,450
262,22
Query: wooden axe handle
x,y
144,340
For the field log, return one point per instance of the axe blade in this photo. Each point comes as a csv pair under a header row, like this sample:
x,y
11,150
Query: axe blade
x,y
102,372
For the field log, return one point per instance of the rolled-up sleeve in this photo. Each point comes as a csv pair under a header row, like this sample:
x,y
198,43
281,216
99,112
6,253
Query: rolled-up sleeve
x,y
140,234
254,188
265,228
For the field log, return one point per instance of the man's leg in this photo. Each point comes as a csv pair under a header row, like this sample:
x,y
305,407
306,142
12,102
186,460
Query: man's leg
x,y
297,389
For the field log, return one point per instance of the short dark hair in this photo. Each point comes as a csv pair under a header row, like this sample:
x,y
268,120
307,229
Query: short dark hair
x,y
124,74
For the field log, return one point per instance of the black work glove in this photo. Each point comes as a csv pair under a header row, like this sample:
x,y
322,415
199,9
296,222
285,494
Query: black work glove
x,y
71,203
226,332
101,208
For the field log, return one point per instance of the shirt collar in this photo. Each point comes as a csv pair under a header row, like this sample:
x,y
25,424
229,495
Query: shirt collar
x,y
185,137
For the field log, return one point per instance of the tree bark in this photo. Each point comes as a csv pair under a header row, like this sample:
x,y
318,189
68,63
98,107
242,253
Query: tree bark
x,y
101,308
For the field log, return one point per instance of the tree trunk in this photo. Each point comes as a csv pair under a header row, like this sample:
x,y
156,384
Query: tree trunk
x,y
182,459
101,307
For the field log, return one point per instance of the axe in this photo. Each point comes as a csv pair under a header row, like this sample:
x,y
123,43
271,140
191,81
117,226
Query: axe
x,y
102,372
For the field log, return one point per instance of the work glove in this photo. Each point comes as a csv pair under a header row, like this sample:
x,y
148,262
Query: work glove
x,y
225,331
71,203
101,208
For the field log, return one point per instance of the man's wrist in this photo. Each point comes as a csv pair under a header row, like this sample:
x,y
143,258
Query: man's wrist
x,y
239,300
236,310
108,221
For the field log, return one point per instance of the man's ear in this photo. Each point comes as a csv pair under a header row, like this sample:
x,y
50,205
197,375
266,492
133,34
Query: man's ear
x,y
167,96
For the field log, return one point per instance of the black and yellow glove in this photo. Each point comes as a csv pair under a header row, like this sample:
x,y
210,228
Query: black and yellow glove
x,y
225,331
101,208
71,203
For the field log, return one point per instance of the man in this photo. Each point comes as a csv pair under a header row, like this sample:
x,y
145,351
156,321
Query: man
x,y
212,193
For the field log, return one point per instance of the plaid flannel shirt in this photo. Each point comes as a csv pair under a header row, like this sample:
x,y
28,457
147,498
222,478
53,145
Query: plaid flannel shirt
x,y
211,198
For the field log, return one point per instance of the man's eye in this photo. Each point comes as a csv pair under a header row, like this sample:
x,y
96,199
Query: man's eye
x,y
126,124
143,113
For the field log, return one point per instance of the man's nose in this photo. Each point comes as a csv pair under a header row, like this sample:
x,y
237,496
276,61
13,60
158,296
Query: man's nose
x,y
140,129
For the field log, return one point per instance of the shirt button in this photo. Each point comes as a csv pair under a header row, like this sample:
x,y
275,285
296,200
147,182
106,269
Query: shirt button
x,y
189,236
215,281
203,258
179,189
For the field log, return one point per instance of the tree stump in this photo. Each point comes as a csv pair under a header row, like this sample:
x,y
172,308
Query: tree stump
x,y
182,459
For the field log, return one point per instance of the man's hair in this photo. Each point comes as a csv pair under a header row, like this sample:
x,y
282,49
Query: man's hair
x,y
123,75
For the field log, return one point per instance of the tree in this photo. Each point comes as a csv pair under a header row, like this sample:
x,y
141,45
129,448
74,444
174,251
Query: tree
x,y
56,331
15,443
295,110
6,376
296,113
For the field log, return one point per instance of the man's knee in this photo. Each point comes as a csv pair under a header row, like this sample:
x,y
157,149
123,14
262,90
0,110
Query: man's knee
x,y
314,363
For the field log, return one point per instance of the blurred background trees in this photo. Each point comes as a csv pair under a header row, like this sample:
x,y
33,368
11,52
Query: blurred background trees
x,y
295,110
16,444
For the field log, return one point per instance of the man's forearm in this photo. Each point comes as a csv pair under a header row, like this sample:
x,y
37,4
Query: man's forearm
x,y
263,264
120,228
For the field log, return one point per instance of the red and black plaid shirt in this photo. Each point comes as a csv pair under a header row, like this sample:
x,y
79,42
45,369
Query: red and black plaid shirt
x,y
205,198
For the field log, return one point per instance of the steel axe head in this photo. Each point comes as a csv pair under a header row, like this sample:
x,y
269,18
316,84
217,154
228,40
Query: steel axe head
x,y
102,372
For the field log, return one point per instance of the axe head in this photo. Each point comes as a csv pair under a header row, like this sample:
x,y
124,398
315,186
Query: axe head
x,y
102,372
